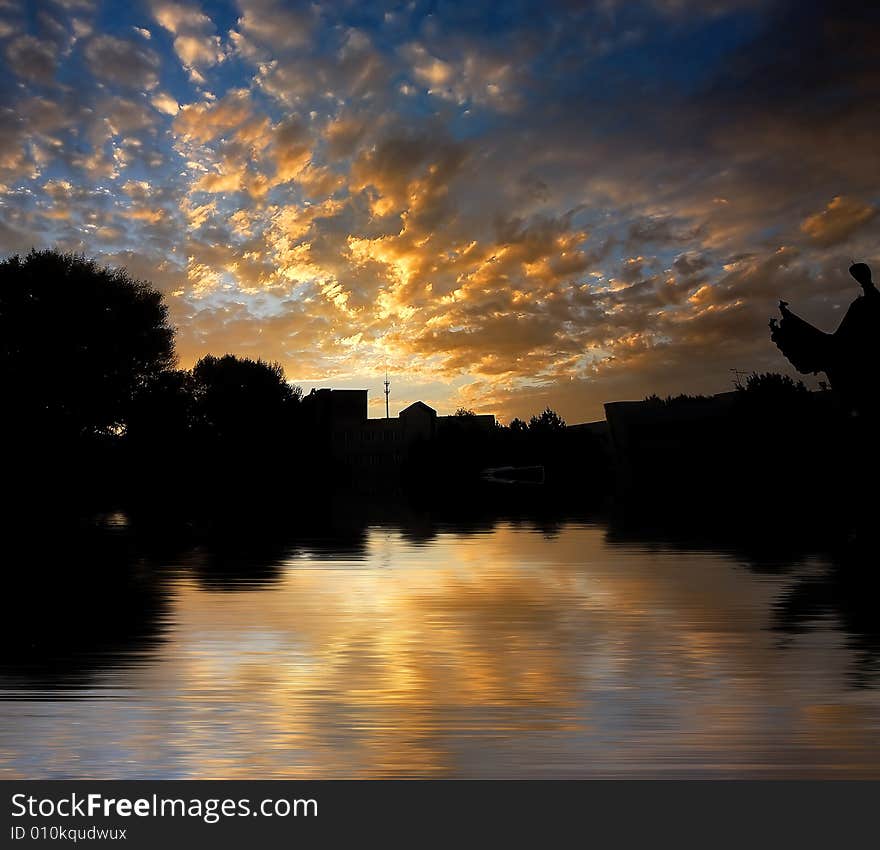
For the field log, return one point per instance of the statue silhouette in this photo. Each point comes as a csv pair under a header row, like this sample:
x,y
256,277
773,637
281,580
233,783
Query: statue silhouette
x,y
848,356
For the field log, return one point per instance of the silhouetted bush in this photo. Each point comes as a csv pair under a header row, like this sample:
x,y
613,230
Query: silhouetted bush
x,y
672,400
772,385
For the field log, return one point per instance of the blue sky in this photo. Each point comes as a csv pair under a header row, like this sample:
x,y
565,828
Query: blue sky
x,y
509,204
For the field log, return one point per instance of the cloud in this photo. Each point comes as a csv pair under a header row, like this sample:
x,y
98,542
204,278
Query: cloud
x,y
123,115
32,58
344,134
319,182
123,62
221,181
198,51
14,160
591,202
292,149
838,221
471,77
13,240
165,103
76,5
206,120
179,17
195,40
275,24
406,165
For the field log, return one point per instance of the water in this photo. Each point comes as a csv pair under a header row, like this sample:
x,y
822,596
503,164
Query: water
x,y
506,650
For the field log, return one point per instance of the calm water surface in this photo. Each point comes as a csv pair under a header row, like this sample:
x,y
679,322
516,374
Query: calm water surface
x,y
508,651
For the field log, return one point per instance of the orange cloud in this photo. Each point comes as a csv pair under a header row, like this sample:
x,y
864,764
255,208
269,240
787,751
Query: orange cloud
x,y
838,221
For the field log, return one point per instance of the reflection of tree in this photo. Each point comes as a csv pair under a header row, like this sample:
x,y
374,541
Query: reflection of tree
x,y
847,592
255,561
761,545
77,609
236,566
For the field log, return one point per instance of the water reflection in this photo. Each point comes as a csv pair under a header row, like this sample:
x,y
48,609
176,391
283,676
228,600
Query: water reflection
x,y
846,596
79,603
836,588
490,648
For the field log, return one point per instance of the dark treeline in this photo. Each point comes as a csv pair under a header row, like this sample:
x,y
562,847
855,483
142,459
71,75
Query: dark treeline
x,y
96,410
770,453
98,414
570,466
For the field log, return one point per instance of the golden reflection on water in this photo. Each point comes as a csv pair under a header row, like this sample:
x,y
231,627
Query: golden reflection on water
x,y
508,653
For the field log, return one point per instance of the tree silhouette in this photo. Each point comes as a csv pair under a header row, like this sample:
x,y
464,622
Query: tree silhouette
x,y
163,411
236,398
672,400
78,343
159,436
548,422
244,437
772,385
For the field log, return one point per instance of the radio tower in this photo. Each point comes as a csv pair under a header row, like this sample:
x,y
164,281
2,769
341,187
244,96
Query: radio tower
x,y
387,393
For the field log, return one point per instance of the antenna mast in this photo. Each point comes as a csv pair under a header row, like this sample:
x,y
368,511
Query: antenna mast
x,y
387,393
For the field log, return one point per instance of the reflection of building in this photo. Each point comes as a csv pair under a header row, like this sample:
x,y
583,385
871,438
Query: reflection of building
x,y
375,448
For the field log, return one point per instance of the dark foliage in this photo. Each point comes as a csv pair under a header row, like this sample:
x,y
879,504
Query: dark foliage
x,y
672,400
241,434
78,343
771,385
548,421
80,346
544,461
99,412
236,399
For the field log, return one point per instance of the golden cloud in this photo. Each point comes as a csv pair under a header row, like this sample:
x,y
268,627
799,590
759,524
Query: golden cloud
x,y
838,221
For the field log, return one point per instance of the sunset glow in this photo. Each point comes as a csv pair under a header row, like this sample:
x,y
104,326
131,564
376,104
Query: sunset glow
x,y
508,205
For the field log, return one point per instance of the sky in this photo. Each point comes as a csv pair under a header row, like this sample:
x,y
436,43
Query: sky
x,y
507,205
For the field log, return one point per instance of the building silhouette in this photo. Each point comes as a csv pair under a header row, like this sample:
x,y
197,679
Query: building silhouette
x,y
730,450
372,451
